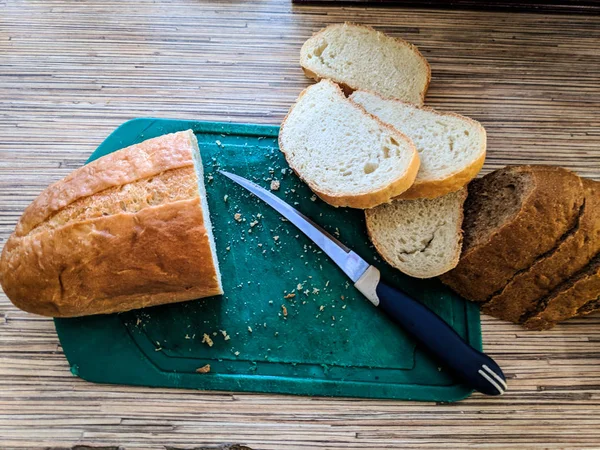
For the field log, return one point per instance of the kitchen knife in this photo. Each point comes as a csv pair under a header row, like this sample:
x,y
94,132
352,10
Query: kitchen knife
x,y
470,366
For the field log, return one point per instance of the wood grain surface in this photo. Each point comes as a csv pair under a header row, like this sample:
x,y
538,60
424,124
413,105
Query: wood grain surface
x,y
70,72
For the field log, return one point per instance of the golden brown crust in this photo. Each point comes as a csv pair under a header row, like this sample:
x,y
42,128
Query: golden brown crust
x,y
398,41
438,188
116,263
132,163
90,264
550,209
367,199
524,292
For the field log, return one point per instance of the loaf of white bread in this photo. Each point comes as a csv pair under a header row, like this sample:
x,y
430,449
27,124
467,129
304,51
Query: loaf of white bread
x,y
128,230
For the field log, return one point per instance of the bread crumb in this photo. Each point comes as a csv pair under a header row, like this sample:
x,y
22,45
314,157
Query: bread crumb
x,y
187,336
249,329
344,307
332,317
225,335
238,217
214,333
292,295
299,287
276,238
313,198
236,353
253,224
284,309
225,198
321,308
270,302
316,290
342,297
228,248
207,340
218,142
203,369
275,185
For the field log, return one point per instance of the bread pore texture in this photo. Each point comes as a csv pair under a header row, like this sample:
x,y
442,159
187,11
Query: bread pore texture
x,y
345,155
420,237
359,57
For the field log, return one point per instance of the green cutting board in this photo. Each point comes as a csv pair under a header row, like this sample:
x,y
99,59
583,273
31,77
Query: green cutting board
x,y
332,342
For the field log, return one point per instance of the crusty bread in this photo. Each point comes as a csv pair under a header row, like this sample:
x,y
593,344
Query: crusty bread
x,y
421,237
126,231
589,307
576,249
568,299
451,147
358,57
346,156
512,216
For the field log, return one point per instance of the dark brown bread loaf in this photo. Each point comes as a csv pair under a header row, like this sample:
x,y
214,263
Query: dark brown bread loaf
x,y
577,247
568,299
512,216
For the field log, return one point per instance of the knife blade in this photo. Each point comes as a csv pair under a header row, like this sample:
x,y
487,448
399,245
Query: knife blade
x,y
469,365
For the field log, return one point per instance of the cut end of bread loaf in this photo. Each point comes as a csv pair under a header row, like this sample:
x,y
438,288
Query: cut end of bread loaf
x,y
360,57
422,237
197,159
346,156
126,231
451,147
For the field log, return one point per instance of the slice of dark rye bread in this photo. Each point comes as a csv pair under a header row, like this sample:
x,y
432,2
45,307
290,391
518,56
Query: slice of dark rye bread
x,y
568,299
512,216
575,250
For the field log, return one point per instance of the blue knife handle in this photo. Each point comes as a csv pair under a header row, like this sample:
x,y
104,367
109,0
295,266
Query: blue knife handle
x,y
470,366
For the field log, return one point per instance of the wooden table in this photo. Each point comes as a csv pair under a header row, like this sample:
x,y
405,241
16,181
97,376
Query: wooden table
x,y
70,72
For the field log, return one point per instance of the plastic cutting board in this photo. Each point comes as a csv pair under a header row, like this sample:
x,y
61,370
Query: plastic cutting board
x,y
332,342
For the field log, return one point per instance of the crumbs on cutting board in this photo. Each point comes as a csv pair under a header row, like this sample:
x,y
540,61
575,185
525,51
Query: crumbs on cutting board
x,y
207,340
203,369
257,237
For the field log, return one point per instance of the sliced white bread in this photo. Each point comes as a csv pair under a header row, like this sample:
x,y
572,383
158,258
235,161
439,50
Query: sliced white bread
x,y
346,156
421,237
451,147
359,57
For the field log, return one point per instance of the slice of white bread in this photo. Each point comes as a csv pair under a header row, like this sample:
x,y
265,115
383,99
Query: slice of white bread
x,y
358,57
451,147
346,156
421,237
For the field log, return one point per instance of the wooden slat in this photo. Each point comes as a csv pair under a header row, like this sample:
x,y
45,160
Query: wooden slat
x,y
70,72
